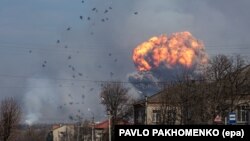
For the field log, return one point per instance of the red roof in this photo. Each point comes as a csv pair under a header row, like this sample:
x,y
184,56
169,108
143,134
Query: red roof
x,y
105,124
102,125
55,127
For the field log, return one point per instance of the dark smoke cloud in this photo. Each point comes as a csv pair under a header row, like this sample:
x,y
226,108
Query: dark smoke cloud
x,y
144,82
151,82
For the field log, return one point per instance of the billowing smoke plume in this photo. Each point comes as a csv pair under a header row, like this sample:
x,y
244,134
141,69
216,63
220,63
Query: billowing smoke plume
x,y
160,58
46,102
36,99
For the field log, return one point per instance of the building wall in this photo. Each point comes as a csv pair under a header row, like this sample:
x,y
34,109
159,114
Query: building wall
x,y
99,134
151,117
63,133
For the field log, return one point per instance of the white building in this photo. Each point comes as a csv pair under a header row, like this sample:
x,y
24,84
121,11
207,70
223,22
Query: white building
x,y
63,132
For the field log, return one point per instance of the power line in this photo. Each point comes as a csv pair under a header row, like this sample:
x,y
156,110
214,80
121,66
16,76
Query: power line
x,y
95,48
55,79
69,79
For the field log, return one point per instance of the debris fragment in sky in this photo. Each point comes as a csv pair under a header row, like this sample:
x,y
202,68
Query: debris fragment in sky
x,y
69,57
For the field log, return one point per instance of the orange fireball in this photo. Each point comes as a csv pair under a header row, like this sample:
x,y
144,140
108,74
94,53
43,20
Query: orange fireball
x,y
177,49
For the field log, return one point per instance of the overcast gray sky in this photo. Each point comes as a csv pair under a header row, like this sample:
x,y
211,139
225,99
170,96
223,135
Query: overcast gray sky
x,y
53,80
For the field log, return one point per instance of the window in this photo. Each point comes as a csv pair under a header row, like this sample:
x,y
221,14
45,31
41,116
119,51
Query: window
x,y
156,116
242,113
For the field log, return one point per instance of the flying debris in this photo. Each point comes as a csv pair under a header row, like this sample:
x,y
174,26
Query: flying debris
x,y
66,46
30,51
111,74
106,11
82,1
103,20
88,18
79,111
69,57
110,54
69,66
73,76
71,117
58,41
107,19
81,17
71,103
94,9
80,74
101,84
135,13
60,107
110,7
69,95
44,64
68,28
115,60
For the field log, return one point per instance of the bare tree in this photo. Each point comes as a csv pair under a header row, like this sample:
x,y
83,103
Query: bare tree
x,y
190,101
32,133
187,97
227,77
221,88
82,131
168,106
117,101
10,115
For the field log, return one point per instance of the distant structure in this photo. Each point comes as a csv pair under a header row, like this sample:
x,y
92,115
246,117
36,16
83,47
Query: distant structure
x,y
193,102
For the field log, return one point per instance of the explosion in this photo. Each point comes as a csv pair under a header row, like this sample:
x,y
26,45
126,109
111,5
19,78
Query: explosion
x,y
178,49
160,58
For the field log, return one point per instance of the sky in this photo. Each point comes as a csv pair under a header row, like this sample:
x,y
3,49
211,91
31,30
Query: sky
x,y
55,53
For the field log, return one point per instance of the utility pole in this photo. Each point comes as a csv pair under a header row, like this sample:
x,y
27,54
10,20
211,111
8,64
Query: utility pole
x,y
146,105
93,124
109,116
67,131
78,128
78,125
